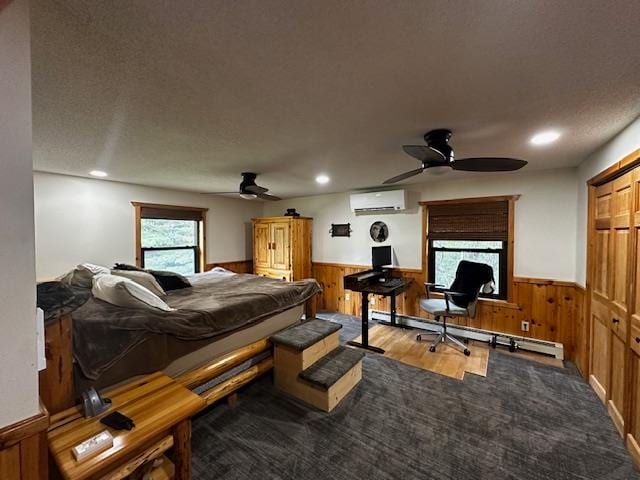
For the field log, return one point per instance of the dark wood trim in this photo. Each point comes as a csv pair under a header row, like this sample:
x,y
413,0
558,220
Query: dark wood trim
x,y
496,198
619,168
202,240
511,245
168,207
19,431
511,199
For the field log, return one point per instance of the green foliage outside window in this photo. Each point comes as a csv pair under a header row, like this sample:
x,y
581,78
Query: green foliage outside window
x,y
159,233
446,262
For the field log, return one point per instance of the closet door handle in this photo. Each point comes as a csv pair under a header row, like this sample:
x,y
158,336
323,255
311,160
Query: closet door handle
x,y
615,320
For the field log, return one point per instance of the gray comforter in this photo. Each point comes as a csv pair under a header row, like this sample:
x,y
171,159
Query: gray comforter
x,y
214,306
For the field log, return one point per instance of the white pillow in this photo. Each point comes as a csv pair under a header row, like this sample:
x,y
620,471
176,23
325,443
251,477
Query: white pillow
x,y
82,275
122,292
145,279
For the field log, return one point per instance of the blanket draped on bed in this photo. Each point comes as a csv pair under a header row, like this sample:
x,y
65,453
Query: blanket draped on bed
x,y
213,306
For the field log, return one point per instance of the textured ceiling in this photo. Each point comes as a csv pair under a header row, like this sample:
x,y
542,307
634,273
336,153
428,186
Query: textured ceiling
x,y
188,94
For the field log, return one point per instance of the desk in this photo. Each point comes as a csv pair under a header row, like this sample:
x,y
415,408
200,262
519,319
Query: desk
x,y
377,288
161,410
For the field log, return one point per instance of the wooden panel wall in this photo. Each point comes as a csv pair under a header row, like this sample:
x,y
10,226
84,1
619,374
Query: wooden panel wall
x,y
554,309
23,449
239,266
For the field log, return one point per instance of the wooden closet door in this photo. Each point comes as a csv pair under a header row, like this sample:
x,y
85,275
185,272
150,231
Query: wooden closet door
x,y
619,306
280,247
601,292
261,246
633,437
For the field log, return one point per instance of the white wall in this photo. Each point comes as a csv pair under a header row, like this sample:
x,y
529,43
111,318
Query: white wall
x,y
85,220
620,146
545,219
18,376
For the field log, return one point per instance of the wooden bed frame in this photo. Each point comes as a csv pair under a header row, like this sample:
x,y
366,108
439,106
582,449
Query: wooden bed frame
x,y
57,386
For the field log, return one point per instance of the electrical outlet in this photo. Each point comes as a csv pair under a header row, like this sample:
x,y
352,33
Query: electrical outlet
x,y
524,326
372,301
347,297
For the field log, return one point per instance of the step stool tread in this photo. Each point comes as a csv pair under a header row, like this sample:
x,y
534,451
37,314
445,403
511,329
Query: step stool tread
x,y
306,334
332,367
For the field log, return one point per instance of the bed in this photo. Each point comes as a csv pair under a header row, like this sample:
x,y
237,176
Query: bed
x,y
220,313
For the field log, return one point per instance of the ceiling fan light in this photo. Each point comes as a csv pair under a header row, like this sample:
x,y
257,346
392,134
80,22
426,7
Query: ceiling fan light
x,y
248,196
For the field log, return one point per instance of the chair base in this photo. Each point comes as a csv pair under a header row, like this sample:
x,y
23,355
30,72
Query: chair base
x,y
443,337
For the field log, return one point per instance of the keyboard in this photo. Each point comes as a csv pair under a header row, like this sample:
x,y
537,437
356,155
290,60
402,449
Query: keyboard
x,y
394,282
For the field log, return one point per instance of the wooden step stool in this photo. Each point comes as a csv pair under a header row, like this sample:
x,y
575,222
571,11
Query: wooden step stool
x,y
310,364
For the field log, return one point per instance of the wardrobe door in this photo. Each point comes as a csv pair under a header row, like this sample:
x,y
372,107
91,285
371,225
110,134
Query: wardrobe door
x,y
601,292
280,246
261,246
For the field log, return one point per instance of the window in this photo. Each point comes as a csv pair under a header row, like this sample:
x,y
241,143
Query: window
x,y
477,230
170,238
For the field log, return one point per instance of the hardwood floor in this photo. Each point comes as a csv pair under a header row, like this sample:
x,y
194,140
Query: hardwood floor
x,y
401,344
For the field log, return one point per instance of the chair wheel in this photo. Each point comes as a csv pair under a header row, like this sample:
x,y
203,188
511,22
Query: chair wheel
x,y
418,337
467,352
432,348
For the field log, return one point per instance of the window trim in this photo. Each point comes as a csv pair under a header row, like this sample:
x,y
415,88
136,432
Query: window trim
x,y
511,200
172,212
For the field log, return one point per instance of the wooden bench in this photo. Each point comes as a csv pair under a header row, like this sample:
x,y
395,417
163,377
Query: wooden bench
x,y
161,409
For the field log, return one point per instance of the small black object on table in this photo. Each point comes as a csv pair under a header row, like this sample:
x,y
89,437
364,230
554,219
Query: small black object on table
x,y
375,282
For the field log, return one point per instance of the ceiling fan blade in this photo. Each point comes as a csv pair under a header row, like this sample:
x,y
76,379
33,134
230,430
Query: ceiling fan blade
x,y
424,153
488,164
255,189
219,193
403,176
266,196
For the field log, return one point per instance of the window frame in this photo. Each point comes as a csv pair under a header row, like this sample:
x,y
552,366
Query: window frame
x,y
172,212
508,295
501,273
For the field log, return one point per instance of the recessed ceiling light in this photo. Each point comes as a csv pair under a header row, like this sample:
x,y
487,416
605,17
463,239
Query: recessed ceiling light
x,y
544,138
322,179
97,173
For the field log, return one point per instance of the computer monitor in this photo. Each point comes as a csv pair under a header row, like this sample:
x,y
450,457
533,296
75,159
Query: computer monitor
x,y
380,256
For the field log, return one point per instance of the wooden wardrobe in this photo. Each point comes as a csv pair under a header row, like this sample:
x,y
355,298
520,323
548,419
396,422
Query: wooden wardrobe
x,y
614,319
282,247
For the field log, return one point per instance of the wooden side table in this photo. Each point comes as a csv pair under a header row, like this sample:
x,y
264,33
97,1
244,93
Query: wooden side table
x,y
161,410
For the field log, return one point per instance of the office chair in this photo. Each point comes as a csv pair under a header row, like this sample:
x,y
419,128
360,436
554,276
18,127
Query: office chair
x,y
460,300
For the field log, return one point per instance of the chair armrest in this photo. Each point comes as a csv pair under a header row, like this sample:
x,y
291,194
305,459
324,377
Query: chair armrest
x,y
428,286
450,295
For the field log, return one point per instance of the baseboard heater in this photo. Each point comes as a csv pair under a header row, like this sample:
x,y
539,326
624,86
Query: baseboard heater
x,y
492,338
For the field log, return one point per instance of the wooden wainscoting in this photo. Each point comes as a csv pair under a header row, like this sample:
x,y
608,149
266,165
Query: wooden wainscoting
x,y
239,266
554,309
23,448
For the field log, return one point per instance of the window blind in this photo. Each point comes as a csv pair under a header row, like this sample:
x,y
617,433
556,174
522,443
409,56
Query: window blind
x,y
469,221
170,213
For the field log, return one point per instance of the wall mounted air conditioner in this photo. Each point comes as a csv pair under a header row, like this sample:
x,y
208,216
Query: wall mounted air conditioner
x,y
389,201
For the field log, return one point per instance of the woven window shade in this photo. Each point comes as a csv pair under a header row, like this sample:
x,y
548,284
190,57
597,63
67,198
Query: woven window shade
x,y
170,213
469,221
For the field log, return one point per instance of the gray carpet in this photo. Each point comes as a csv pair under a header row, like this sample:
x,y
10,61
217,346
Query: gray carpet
x,y
524,421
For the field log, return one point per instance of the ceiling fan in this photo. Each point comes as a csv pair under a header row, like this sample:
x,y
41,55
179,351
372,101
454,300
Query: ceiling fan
x,y
438,153
249,190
